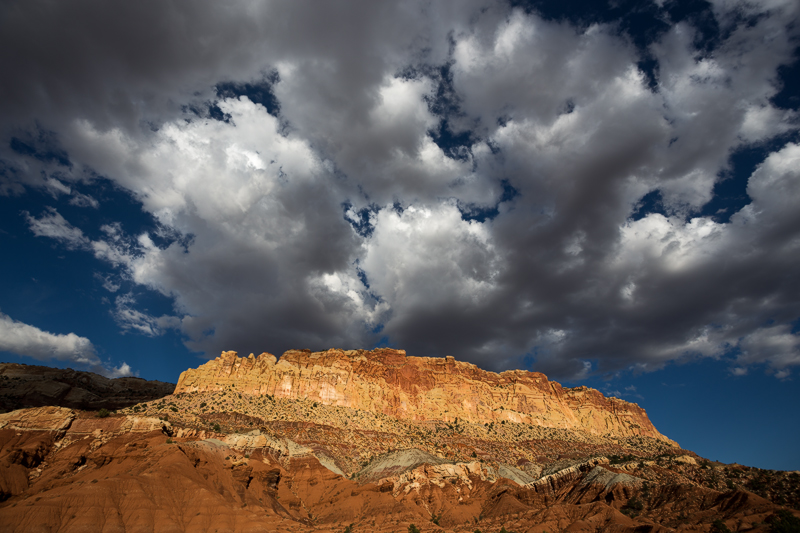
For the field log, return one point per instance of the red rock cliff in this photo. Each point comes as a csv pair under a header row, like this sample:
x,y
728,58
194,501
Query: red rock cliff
x,y
420,388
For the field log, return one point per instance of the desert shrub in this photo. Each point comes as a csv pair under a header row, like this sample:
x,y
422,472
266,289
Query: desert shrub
x,y
616,459
102,413
216,428
718,526
633,507
783,522
413,529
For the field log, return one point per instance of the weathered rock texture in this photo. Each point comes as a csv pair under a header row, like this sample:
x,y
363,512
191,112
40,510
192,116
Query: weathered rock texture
x,y
67,471
420,388
35,386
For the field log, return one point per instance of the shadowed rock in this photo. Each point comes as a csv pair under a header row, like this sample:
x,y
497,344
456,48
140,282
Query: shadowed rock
x,y
35,386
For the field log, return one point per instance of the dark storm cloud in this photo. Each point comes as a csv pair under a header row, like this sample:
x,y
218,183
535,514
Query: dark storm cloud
x,y
340,209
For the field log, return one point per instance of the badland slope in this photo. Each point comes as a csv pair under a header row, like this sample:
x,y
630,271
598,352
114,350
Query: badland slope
x,y
232,460
388,381
36,386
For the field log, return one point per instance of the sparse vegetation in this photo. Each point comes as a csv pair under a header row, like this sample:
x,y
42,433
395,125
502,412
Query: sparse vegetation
x,y
616,459
633,507
102,413
783,522
718,526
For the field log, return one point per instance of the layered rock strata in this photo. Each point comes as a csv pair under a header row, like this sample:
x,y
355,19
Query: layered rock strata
x,y
420,388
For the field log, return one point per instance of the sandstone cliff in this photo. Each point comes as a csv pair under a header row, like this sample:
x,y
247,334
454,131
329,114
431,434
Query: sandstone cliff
x,y
420,388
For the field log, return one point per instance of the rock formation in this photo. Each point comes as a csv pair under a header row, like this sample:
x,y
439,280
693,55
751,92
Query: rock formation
x,y
373,442
70,471
36,386
420,388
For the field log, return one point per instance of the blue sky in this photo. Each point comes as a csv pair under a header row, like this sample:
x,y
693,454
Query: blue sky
x,y
602,192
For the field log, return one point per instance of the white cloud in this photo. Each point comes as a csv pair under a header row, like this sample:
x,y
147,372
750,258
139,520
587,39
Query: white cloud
x,y
29,341
776,345
122,371
562,126
83,200
55,226
130,319
426,257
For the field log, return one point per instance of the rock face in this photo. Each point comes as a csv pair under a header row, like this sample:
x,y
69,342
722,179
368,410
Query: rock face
x,y
35,386
369,442
61,470
420,388
228,461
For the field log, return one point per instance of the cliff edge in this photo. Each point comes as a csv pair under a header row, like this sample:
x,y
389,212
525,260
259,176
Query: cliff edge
x,y
421,388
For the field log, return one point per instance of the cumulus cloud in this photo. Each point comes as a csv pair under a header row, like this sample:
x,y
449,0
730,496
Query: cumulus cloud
x,y
453,181
29,341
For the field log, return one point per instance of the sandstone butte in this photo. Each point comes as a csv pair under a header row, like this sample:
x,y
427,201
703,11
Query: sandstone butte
x,y
421,388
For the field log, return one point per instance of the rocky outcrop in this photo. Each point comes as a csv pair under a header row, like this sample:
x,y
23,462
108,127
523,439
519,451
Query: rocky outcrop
x,y
38,419
69,471
420,388
35,386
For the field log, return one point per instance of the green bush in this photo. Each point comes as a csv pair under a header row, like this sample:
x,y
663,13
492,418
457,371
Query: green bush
x,y
633,507
635,504
413,529
783,522
102,413
718,526
216,428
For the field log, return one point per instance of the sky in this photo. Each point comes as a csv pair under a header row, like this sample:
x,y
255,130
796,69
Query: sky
x,y
603,192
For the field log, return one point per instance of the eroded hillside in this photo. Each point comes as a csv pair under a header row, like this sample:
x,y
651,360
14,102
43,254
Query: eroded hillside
x,y
232,460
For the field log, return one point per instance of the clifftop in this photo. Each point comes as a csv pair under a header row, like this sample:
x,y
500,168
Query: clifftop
x,y
388,381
